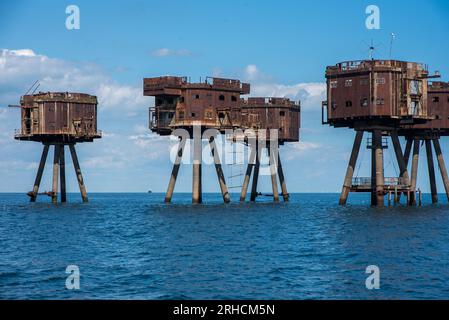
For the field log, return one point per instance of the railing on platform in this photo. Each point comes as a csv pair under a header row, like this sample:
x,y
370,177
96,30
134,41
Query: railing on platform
x,y
367,182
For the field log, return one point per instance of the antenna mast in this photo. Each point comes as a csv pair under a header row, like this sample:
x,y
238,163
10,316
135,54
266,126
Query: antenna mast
x,y
393,36
371,50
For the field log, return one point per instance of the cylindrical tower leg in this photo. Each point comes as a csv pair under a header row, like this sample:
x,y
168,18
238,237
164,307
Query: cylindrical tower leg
x,y
219,170
274,182
62,173
377,198
351,167
40,171
175,170
396,195
54,195
255,175
415,160
249,170
196,183
400,158
441,165
408,150
404,178
285,194
79,175
431,166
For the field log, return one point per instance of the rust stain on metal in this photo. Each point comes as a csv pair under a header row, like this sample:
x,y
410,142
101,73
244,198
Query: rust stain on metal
x,y
266,114
58,117
390,90
214,103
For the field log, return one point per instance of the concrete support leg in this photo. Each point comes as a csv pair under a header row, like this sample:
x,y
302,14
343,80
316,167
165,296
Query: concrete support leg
x,y
285,194
404,178
79,175
255,175
415,160
408,150
377,196
351,167
40,171
249,170
54,194
433,185
196,183
441,165
62,173
403,172
273,172
219,170
175,170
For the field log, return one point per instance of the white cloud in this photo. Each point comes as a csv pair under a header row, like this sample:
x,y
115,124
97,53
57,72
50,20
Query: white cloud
x,y
298,149
310,94
22,52
304,146
251,71
21,68
2,113
104,162
11,165
111,95
165,52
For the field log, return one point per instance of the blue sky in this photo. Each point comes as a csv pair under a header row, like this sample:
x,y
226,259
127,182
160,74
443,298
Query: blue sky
x,y
281,47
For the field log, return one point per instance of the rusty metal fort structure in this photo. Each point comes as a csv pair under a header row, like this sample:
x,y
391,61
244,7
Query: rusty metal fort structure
x,y
427,134
381,97
271,122
216,103
58,119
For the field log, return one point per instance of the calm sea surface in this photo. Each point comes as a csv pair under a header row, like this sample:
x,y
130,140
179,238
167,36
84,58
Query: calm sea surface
x,y
133,246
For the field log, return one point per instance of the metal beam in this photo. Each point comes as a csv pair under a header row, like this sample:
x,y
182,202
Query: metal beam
x,y
415,160
255,175
54,195
377,197
408,149
197,157
351,167
40,172
249,170
175,170
400,158
62,173
274,182
285,194
79,175
441,165
219,170
431,167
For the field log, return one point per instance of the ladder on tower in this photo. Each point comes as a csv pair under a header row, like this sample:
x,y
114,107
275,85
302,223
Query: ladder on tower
x,y
236,169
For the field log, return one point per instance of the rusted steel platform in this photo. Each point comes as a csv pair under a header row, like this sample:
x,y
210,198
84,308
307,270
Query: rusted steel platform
x,y
58,119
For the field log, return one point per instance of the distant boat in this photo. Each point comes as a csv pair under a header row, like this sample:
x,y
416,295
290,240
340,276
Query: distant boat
x,y
149,191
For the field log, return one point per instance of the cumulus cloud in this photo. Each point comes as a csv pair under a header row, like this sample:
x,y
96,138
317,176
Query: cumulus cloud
x,y
21,68
2,113
310,94
165,52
